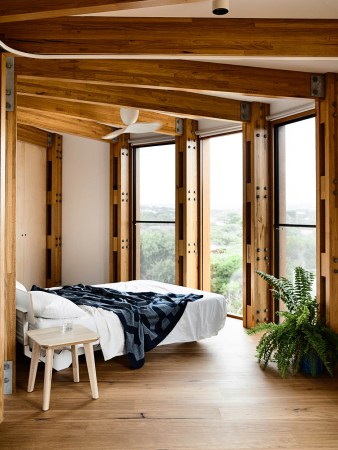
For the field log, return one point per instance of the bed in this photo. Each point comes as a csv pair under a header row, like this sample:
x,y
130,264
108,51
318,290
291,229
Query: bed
x,y
201,318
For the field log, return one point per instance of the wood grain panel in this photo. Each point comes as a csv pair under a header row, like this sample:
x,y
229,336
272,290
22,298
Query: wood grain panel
x,y
54,205
32,135
169,101
184,37
327,215
31,214
2,225
187,206
120,212
257,252
207,395
10,228
105,114
179,75
61,124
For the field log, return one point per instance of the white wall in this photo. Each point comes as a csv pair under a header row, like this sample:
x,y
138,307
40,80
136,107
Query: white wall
x,y
85,211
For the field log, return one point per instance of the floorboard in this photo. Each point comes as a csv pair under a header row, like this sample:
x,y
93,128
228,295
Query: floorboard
x,y
208,395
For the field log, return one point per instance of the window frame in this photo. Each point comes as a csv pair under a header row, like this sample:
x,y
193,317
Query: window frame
x,y
205,276
276,203
136,269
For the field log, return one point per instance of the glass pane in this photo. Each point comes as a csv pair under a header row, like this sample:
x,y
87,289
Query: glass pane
x,y
157,182
297,173
157,252
226,199
297,248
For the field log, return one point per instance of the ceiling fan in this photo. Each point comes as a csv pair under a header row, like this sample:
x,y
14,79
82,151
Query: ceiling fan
x,y
129,117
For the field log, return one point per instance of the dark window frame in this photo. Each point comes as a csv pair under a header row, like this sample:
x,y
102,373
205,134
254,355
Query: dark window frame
x,y
136,221
276,223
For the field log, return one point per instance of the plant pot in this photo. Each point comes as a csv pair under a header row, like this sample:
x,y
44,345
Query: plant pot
x,y
306,363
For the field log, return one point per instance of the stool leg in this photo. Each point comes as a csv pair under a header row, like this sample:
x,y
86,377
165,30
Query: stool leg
x,y
75,364
48,378
89,352
33,367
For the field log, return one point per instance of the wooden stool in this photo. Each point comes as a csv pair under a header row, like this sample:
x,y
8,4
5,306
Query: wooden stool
x,y
53,338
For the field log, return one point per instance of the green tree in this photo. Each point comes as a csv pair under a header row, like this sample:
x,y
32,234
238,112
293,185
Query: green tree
x,y
158,253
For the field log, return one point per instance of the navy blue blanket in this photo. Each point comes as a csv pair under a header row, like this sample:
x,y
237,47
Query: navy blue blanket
x,y
147,317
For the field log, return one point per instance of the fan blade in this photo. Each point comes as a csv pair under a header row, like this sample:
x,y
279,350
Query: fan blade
x,y
143,127
114,134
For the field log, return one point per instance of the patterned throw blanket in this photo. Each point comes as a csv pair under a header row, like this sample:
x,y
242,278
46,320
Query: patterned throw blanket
x,y
147,317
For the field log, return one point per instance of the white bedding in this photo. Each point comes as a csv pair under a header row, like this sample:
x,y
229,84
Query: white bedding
x,y
202,318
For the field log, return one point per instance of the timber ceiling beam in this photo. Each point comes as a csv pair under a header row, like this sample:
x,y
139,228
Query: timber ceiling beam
x,y
32,135
105,114
184,104
21,10
179,75
61,124
171,37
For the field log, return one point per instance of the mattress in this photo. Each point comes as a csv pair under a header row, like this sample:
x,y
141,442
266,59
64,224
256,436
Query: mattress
x,y
201,319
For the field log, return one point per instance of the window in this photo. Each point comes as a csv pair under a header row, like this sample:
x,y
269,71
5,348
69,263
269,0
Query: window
x,y
226,219
295,211
154,213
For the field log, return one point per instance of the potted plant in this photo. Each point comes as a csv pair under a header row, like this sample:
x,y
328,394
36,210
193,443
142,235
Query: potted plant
x,y
301,342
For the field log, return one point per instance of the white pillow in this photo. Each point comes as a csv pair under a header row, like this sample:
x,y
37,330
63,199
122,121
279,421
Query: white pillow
x,y
52,306
20,286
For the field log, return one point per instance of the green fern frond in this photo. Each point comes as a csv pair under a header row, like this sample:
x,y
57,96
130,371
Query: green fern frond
x,y
301,334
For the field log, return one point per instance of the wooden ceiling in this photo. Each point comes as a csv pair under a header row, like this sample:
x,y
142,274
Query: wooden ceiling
x,y
94,65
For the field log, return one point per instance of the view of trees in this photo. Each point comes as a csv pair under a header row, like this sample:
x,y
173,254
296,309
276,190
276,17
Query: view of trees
x,y
226,257
158,252
157,241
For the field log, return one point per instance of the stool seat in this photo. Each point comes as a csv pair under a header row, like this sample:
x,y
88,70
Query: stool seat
x,y
54,338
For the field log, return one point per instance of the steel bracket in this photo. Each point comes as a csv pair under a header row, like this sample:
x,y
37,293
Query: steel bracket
x,y
10,84
179,126
245,113
317,85
8,377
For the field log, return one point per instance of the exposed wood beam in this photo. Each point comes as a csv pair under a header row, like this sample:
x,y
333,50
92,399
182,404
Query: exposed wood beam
x,y
60,124
180,75
21,10
175,102
183,37
32,135
106,114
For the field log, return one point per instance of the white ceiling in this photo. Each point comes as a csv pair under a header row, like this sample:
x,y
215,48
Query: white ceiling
x,y
284,9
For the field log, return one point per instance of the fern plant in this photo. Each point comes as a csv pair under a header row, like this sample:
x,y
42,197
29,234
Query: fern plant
x,y
301,336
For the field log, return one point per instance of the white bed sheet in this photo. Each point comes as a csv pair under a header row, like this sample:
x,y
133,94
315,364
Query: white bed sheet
x,y
202,318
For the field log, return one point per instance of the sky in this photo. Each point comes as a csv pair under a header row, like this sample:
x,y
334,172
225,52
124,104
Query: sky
x,y
300,159
157,170
225,173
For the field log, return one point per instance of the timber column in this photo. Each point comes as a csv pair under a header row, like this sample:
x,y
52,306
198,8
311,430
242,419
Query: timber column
x,y
187,200
256,217
10,228
327,202
120,210
2,224
54,210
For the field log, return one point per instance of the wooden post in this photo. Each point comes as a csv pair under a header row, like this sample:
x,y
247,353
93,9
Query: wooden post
x,y
10,230
187,201
327,202
54,210
120,198
2,224
204,214
256,217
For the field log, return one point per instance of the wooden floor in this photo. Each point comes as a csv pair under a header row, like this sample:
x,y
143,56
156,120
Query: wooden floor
x,y
207,395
